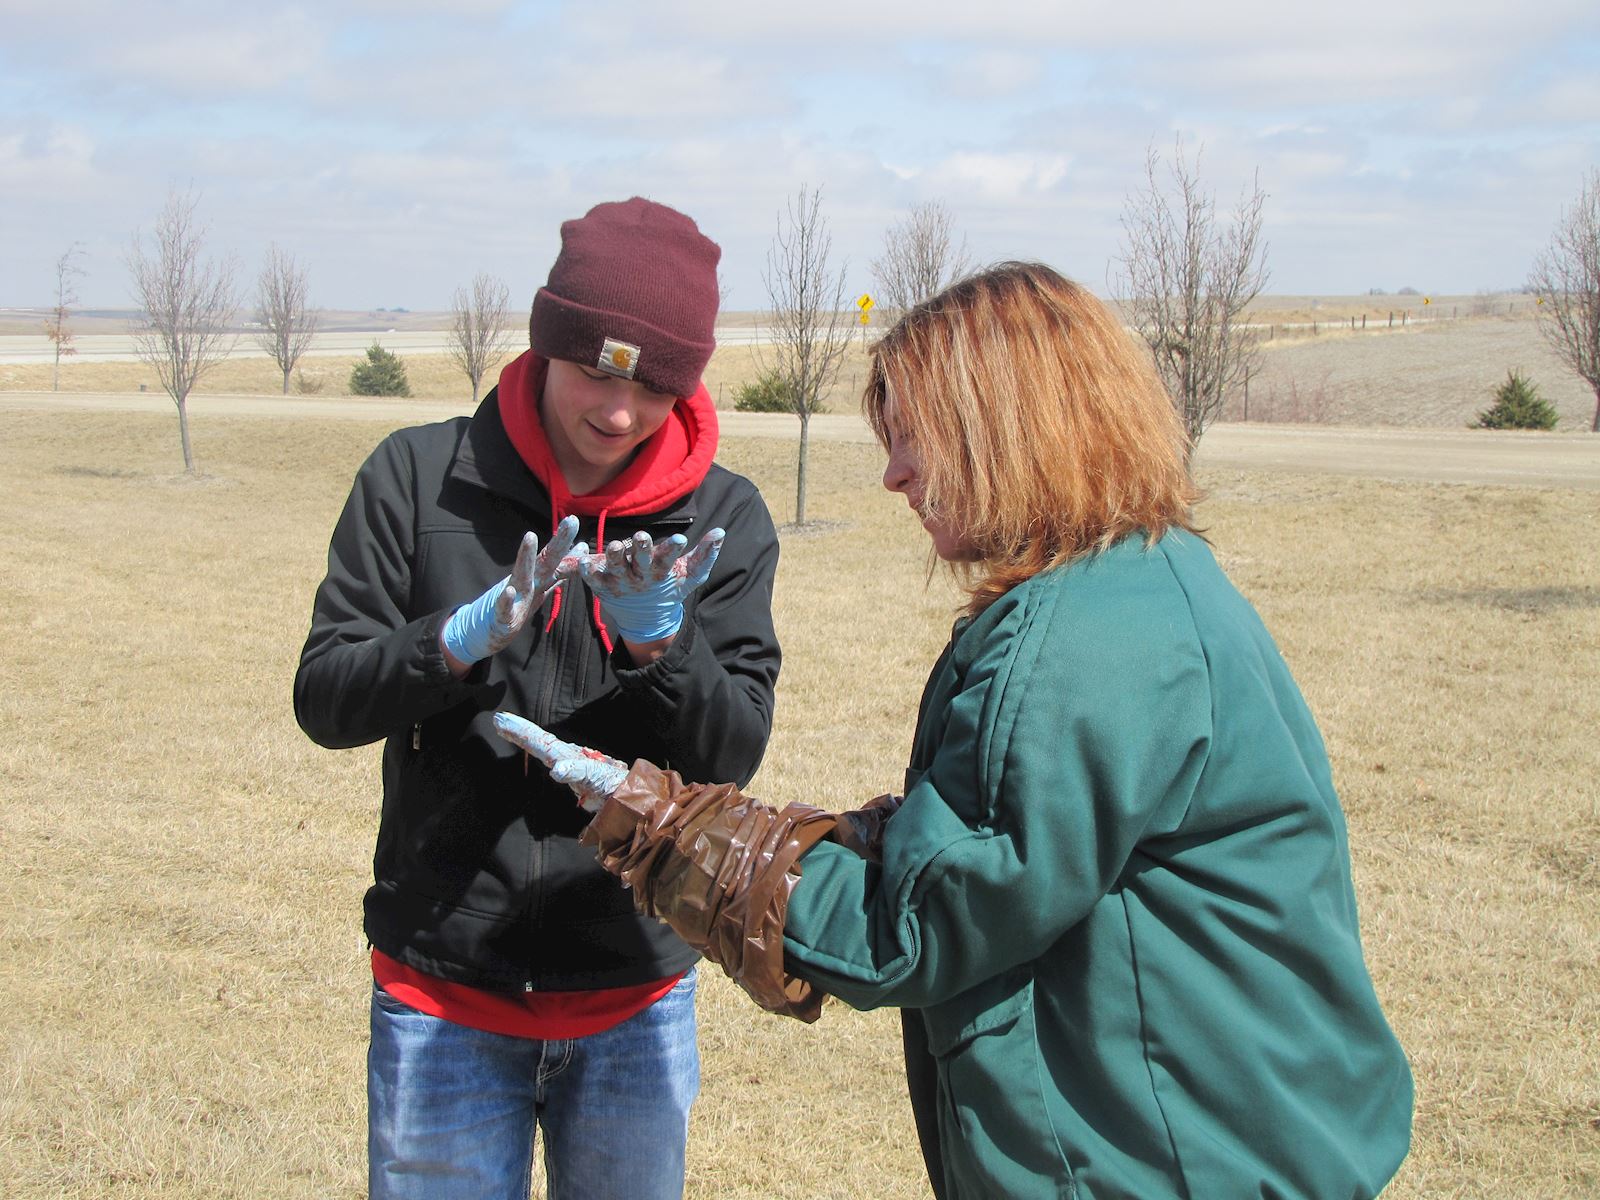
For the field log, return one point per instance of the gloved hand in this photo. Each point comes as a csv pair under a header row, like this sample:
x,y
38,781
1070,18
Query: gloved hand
x,y
861,829
642,586
487,625
591,775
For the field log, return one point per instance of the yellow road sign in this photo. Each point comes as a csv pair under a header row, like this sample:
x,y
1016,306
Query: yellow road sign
x,y
864,303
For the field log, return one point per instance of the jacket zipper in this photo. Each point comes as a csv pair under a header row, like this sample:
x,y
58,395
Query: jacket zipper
x,y
557,636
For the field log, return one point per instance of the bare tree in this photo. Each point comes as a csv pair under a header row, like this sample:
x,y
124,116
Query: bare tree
x,y
288,323
1186,282
920,258
808,326
68,272
1566,277
479,332
187,304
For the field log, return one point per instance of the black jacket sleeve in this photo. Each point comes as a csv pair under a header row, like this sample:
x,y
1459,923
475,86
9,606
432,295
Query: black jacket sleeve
x,y
369,669
710,696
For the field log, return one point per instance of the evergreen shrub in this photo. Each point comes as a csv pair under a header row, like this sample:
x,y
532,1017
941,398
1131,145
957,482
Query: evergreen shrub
x,y
383,374
1517,405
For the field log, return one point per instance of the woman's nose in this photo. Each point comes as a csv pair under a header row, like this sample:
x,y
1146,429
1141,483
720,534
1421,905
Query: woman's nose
x,y
897,473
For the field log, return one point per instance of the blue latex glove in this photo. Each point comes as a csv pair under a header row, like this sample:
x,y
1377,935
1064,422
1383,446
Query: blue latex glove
x,y
487,625
642,586
592,776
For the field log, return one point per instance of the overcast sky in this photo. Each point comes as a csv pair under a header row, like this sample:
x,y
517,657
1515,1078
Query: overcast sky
x,y
398,147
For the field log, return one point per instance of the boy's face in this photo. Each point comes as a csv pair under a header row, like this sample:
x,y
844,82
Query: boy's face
x,y
596,421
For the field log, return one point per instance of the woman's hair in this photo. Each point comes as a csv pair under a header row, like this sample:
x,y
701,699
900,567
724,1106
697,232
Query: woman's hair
x,y
1042,431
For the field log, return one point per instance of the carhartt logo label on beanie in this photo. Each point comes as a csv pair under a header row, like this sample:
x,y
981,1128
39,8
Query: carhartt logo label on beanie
x,y
618,358
635,276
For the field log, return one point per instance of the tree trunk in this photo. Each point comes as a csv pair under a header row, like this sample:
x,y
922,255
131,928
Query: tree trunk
x,y
286,381
55,376
183,435
800,474
1595,428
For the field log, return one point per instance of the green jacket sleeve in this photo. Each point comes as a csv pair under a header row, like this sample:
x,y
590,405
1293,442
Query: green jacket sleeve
x,y
1066,730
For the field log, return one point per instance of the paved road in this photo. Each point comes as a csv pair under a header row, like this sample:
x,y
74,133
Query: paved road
x,y
118,347
1562,460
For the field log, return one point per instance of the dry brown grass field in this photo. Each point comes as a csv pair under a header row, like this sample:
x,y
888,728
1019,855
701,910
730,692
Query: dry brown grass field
x,y
1433,375
184,979
432,377
1433,372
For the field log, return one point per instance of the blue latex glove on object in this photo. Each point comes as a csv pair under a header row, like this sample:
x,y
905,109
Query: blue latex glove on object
x,y
642,586
487,625
592,776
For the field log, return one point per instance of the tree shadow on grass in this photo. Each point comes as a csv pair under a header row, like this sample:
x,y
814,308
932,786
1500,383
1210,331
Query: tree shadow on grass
x,y
1521,600
812,528
98,472
176,479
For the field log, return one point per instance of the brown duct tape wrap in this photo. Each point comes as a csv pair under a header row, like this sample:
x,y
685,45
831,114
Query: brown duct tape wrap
x,y
716,866
861,829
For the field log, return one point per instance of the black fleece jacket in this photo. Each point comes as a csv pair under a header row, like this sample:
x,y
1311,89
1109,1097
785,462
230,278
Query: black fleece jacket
x,y
478,875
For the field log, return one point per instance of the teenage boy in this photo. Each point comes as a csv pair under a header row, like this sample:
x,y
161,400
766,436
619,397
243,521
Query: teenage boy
x,y
515,988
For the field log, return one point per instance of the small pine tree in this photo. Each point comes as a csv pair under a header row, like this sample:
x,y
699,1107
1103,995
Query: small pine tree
x,y
1517,405
768,394
383,374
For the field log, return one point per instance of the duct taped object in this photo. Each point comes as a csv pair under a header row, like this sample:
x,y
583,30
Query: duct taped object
x,y
717,866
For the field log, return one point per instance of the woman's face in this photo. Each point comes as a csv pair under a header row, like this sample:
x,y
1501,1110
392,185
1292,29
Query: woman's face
x,y
903,474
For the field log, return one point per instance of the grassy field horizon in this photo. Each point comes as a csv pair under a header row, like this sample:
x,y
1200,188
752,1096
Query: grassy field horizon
x,y
1282,308
1424,374
186,981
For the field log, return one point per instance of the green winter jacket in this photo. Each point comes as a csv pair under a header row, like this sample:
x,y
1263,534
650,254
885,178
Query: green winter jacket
x,y
1118,896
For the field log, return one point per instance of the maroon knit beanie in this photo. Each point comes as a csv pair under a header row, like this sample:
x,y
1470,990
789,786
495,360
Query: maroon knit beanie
x,y
633,293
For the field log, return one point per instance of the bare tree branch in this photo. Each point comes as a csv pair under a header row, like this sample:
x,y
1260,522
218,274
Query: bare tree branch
x,y
808,325
186,306
920,258
287,322
479,332
68,272
1566,278
1186,282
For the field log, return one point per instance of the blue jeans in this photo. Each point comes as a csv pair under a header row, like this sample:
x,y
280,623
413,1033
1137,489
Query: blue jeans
x,y
451,1111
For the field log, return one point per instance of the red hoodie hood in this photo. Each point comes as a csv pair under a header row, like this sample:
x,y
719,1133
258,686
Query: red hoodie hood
x,y
667,467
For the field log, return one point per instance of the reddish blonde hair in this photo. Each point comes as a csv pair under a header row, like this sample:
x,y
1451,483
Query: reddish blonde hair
x,y
1042,431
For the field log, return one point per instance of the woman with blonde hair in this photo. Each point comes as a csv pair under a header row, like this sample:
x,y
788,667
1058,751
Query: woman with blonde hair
x,y
1114,903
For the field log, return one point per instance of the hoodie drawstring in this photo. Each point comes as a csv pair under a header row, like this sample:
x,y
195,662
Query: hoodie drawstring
x,y
600,545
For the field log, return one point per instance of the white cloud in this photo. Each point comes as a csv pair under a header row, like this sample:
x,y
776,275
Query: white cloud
x,y
399,144
998,176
